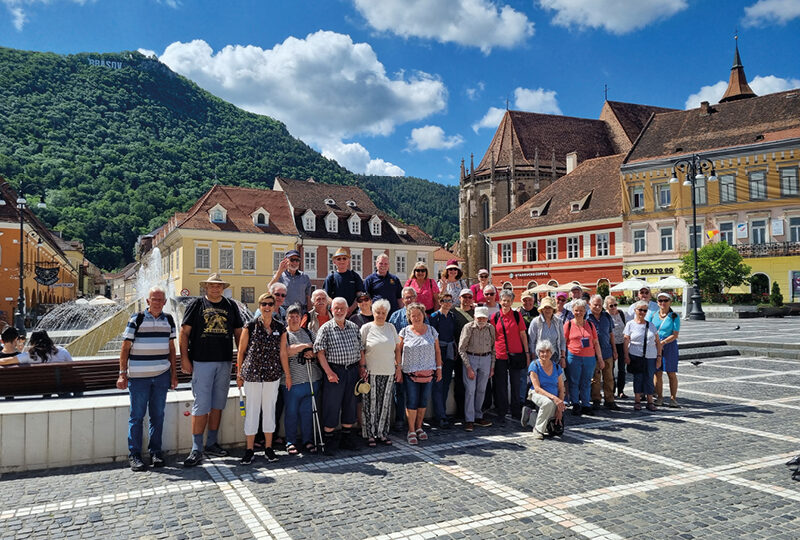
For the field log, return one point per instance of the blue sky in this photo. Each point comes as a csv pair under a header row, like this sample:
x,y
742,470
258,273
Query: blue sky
x,y
413,86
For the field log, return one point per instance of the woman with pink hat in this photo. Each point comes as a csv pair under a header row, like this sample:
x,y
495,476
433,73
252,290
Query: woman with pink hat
x,y
451,282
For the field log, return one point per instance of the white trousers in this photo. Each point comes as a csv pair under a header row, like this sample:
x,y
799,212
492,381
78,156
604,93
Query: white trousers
x,y
260,397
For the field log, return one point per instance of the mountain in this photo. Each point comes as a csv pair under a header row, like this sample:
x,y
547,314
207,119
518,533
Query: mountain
x,y
120,142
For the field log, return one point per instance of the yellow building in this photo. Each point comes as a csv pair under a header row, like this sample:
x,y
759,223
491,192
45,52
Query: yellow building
x,y
752,145
242,233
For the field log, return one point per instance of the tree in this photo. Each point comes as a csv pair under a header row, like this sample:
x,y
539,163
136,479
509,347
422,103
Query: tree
x,y
775,297
720,266
602,289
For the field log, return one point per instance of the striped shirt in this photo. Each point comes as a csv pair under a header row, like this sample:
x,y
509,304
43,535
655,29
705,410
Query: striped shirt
x,y
149,355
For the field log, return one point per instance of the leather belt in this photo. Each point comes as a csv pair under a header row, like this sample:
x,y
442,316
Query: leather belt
x,y
479,354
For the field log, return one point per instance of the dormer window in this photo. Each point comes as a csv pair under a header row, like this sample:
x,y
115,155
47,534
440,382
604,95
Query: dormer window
x,y
351,204
218,214
260,217
331,223
375,226
330,202
541,210
309,221
576,207
535,212
354,223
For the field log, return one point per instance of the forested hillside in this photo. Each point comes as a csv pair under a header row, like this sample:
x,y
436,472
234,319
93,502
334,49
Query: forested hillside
x,y
120,142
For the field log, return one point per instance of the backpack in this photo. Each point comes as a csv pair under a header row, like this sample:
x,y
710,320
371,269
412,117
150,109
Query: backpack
x,y
140,320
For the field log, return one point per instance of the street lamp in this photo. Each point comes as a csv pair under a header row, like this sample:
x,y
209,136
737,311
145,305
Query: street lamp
x,y
693,169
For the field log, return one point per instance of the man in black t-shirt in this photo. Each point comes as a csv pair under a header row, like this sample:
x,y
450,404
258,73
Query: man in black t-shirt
x,y
207,332
343,281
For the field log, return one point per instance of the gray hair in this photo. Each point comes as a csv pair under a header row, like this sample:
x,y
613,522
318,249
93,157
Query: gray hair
x,y
595,296
640,304
381,305
382,256
579,303
276,286
543,344
507,293
489,287
320,292
339,300
157,288
412,307
608,299
409,289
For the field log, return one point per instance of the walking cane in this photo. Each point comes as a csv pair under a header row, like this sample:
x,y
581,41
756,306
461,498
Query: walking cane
x,y
319,440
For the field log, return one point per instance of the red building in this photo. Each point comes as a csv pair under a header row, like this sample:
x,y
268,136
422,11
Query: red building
x,y
570,231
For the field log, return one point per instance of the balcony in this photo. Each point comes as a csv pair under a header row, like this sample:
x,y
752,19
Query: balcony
x,y
772,249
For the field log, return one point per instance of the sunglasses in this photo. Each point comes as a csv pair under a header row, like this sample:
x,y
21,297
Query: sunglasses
x,y
294,260
452,269
420,270
488,294
483,275
363,299
642,310
467,296
612,305
270,304
447,301
280,295
663,300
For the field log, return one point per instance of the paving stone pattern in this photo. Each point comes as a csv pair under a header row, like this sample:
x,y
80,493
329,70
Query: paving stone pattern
x,y
711,469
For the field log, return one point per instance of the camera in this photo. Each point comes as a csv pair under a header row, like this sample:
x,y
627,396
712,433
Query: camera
x,y
306,354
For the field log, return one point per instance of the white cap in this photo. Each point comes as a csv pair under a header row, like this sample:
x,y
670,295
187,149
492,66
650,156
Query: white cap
x,y
482,311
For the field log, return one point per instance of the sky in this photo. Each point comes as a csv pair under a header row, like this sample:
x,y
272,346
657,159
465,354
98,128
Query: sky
x,y
412,87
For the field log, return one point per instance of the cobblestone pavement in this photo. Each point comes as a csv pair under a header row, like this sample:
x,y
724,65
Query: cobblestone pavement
x,y
711,469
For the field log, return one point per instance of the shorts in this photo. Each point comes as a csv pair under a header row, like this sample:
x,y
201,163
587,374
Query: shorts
x,y
416,393
211,382
669,357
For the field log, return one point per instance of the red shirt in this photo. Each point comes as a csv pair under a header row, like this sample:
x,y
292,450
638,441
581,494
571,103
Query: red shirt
x,y
512,330
574,334
477,292
426,293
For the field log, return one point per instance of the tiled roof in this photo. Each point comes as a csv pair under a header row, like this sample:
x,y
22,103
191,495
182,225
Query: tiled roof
x,y
240,203
312,195
633,117
523,132
595,183
735,123
737,84
442,254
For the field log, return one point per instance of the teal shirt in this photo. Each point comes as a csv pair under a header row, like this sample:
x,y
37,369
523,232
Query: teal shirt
x,y
666,327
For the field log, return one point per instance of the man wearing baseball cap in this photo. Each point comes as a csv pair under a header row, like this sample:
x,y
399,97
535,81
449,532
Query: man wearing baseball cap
x,y
647,296
298,284
476,348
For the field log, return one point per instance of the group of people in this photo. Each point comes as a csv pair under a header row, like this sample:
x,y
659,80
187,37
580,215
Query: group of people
x,y
307,353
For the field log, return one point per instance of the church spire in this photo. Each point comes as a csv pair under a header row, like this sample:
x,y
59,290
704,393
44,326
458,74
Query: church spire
x,y
737,86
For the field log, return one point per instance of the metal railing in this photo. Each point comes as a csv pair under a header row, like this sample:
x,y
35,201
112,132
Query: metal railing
x,y
771,249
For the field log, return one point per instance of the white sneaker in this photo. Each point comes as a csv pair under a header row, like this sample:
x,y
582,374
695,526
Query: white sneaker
x,y
526,415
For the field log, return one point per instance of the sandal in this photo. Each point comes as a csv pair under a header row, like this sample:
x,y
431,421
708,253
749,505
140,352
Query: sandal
x,y
651,407
385,441
311,448
421,435
411,438
637,406
292,449
371,442
622,395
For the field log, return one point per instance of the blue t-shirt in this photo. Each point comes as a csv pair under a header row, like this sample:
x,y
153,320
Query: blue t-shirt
x,y
386,287
399,319
548,382
604,328
345,284
445,325
666,327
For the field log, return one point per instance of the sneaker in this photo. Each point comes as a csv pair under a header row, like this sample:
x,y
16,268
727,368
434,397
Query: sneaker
x,y
247,458
194,457
269,453
577,409
136,463
596,404
216,450
157,460
538,435
794,462
469,426
526,415
673,403
659,401
612,406
588,411
482,422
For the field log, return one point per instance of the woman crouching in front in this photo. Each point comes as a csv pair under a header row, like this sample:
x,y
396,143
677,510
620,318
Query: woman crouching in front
x,y
548,389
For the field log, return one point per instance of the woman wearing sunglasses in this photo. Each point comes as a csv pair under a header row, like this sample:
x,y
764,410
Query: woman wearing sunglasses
x,y
426,288
261,360
642,354
669,325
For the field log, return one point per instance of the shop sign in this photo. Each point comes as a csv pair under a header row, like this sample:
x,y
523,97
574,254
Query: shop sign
x,y
512,275
654,271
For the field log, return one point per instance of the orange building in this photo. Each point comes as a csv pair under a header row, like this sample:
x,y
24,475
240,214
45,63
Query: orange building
x,y
41,249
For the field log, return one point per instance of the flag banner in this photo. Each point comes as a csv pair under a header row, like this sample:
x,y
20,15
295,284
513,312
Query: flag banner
x,y
712,233
46,275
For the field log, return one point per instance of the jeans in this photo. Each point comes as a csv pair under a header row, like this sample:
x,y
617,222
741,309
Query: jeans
x,y
147,393
297,404
643,382
441,390
416,393
580,369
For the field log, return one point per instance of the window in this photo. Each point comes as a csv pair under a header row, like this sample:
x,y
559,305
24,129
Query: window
x,y
202,257
248,259
531,251
217,216
248,295
505,252
375,226
309,221
758,185
637,198
695,236
573,247
700,192
485,212
602,242
794,229
552,249
727,188
758,231
331,266
726,232
331,223
310,261
226,258
354,224
400,264
666,239
639,244
789,185
355,262
277,257
663,195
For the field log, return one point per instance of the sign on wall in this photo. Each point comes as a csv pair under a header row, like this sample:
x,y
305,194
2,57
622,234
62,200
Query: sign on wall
x,y
741,230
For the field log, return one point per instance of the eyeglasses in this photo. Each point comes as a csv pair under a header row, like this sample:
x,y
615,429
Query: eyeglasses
x,y
663,300
270,304
294,260
642,310
280,295
488,294
447,301
420,270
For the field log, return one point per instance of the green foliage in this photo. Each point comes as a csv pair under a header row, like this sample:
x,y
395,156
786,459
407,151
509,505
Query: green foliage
x,y
720,266
775,297
120,150
603,289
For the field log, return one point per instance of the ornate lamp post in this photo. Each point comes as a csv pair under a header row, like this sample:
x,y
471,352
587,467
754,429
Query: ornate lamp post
x,y
693,168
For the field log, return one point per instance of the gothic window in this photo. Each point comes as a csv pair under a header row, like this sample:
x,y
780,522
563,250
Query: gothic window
x,y
485,213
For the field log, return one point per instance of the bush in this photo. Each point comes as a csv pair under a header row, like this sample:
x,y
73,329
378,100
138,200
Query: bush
x,y
602,289
776,298
735,299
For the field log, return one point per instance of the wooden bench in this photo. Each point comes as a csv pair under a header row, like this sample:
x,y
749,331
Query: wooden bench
x,y
63,377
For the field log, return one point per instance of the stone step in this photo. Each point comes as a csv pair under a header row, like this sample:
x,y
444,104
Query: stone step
x,y
770,351
701,344
707,351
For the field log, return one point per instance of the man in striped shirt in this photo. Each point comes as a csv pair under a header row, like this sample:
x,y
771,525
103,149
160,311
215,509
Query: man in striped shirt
x,y
147,368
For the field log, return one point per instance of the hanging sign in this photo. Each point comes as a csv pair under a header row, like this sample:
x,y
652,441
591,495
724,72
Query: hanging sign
x,y
46,275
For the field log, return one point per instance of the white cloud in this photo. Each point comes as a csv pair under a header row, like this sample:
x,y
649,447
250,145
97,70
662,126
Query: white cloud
x,y
760,85
766,12
615,16
525,99
474,93
147,52
432,138
171,3
356,158
16,8
323,87
471,23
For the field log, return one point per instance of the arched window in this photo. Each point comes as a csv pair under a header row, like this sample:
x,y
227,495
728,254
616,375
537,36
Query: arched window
x,y
485,213
260,220
508,285
553,283
531,285
759,284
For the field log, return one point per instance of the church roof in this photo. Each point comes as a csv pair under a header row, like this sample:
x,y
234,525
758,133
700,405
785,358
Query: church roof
x,y
594,184
734,123
737,85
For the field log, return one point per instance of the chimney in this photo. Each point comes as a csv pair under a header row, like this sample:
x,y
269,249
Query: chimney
x,y
572,161
705,109
311,180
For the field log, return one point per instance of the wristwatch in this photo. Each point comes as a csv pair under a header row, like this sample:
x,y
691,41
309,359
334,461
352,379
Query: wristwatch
x,y
123,372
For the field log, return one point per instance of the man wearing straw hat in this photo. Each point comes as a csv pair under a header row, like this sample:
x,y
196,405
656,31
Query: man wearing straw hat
x,y
207,332
343,281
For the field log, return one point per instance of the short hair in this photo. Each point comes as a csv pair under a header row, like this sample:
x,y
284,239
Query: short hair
x,y
382,256
277,285
596,296
543,344
294,309
443,295
507,293
608,298
382,305
266,296
157,288
640,304
339,300
579,303
9,334
416,305
320,292
489,287
409,289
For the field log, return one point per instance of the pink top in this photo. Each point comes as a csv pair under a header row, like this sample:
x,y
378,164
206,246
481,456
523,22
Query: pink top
x,y
477,292
426,293
574,335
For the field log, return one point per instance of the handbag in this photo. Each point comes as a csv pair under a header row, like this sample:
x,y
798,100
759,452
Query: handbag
x,y
422,375
555,429
639,363
515,360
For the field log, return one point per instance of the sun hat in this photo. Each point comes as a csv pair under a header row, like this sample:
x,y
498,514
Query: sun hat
x,y
547,301
214,278
341,252
453,263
